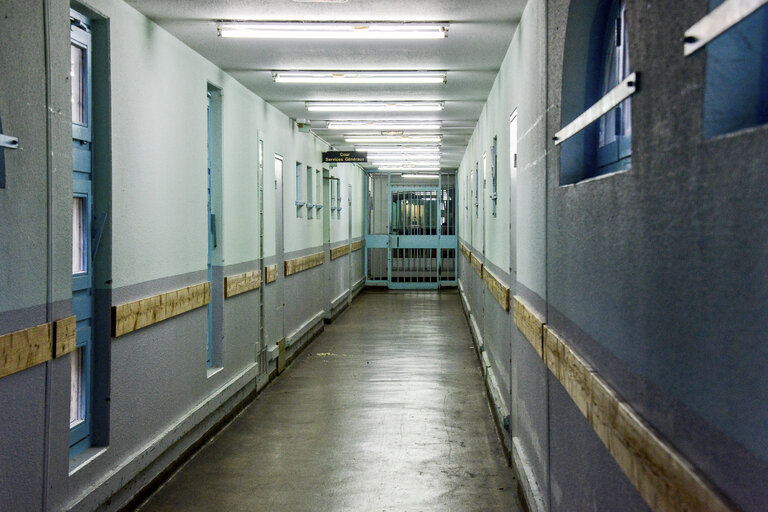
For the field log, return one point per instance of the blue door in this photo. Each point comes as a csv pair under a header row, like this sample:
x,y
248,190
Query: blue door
x,y
82,243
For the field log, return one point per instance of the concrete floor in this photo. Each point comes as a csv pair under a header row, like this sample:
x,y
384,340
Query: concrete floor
x,y
385,411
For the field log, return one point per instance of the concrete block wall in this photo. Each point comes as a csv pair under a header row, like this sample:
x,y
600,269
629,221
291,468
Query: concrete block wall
x,y
654,276
156,396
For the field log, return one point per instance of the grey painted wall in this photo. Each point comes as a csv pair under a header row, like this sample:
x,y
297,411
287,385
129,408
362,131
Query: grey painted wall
x,y
656,275
155,395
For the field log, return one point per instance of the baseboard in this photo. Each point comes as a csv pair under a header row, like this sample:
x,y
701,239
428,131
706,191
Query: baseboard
x,y
531,493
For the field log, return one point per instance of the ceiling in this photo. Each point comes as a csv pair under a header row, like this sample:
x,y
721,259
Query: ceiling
x,y
478,37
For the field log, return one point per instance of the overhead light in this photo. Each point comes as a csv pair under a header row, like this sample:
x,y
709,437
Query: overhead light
x,y
325,30
368,139
421,176
411,169
399,149
405,164
400,156
374,106
384,125
359,77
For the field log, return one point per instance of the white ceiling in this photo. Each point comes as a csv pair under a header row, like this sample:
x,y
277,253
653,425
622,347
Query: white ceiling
x,y
478,38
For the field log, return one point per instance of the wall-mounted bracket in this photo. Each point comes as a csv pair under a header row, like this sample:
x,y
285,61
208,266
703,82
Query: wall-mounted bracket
x,y
611,100
722,18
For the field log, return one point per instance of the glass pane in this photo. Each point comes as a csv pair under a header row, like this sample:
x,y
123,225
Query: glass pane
x,y
78,235
77,76
76,409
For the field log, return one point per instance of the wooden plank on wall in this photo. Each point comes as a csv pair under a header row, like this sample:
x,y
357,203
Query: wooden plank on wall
x,y
662,475
477,265
135,315
338,252
25,348
466,252
303,263
356,246
241,283
64,336
499,290
270,273
529,324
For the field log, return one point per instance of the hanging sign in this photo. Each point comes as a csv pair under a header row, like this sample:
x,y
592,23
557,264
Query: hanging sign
x,y
345,157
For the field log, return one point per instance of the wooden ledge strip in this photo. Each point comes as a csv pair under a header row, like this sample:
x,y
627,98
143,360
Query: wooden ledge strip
x,y
64,336
297,265
135,315
662,475
499,290
270,274
466,252
529,323
477,265
25,348
241,283
356,246
338,252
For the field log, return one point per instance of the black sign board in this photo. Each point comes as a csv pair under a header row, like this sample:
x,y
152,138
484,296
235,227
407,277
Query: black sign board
x,y
345,157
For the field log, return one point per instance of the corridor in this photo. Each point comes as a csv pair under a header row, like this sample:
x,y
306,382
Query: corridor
x,y
384,411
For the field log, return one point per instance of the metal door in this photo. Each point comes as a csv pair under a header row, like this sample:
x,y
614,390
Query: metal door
x,y
410,232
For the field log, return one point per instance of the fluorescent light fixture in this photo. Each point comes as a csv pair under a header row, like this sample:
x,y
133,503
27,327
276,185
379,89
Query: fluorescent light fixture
x,y
399,149
325,30
385,125
421,176
359,77
410,169
405,163
374,106
380,157
373,139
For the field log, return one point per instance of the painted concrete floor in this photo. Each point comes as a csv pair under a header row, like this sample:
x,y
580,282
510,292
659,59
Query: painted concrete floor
x,y
385,411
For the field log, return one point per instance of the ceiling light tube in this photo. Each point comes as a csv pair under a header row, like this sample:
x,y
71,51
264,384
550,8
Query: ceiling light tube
x,y
406,164
384,125
410,169
421,176
360,77
324,30
399,149
369,139
374,106
380,157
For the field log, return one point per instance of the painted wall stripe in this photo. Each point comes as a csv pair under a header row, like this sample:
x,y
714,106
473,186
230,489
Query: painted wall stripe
x,y
64,336
25,348
241,283
663,477
270,274
338,252
297,265
138,314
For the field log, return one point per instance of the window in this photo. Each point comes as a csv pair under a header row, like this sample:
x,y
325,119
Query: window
x,y
338,198
736,87
310,192
494,194
299,202
614,147
595,62
333,196
477,188
81,391
319,191
215,231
